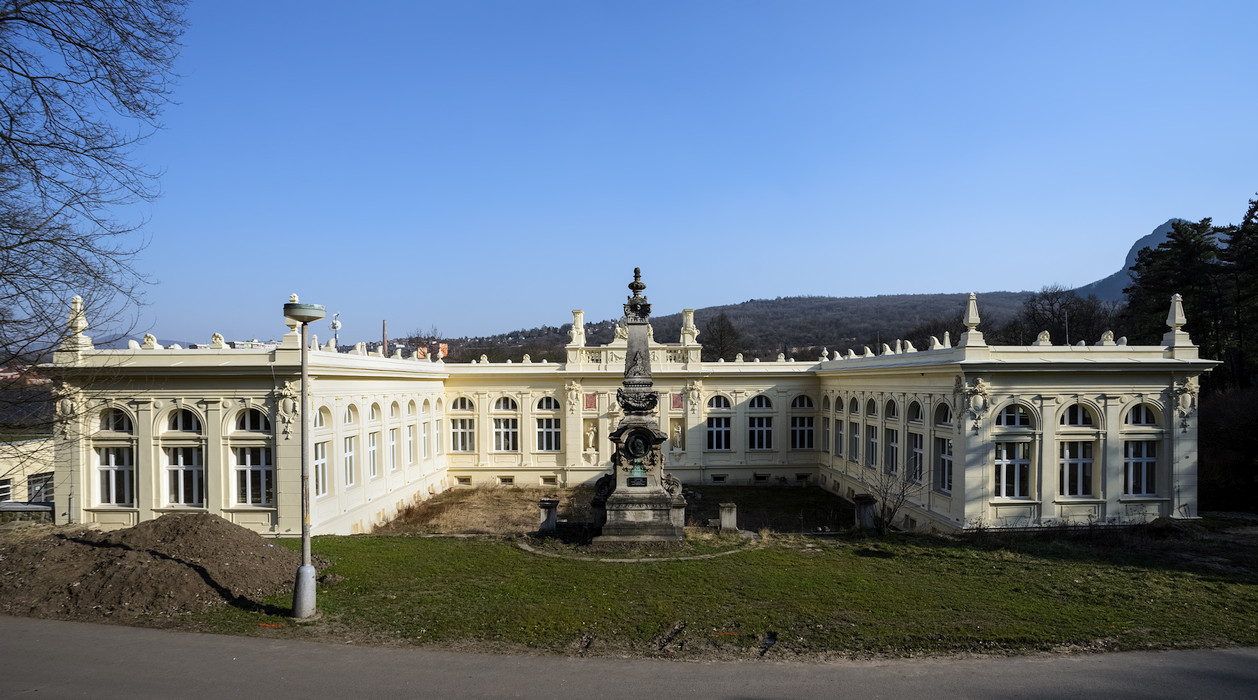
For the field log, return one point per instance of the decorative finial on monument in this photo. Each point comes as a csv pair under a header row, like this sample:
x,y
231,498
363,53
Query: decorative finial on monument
x,y
292,298
636,286
1174,318
971,319
76,324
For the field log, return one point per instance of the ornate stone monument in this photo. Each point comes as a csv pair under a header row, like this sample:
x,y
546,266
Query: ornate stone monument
x,y
638,502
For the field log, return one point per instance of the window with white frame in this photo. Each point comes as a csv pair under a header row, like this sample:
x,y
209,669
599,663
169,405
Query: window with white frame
x,y
760,401
373,455
547,403
351,415
462,404
1013,416
253,420
943,464
374,413
891,450
801,402
115,420
825,404
6,490
854,442
871,446
871,408
718,433
505,403
506,435
462,434
1013,470
838,437
347,462
915,412
425,450
255,476
395,459
760,432
410,445
548,434
184,421
437,436
854,407
943,415
320,468
1141,414
320,418
185,476
718,403
1140,461
1076,461
39,487
801,432
891,410
917,457
1077,415
825,434
114,468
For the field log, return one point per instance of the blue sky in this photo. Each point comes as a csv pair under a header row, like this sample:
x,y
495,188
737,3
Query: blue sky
x,y
486,166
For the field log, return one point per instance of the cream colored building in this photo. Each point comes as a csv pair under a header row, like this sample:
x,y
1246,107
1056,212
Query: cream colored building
x,y
978,435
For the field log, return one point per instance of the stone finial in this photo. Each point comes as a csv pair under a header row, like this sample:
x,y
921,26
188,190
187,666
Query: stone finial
x,y
781,357
76,324
217,342
1043,339
636,286
851,354
738,357
886,350
150,342
947,341
527,359
825,354
132,344
292,298
577,332
934,344
971,312
1175,317
868,352
1107,338
484,359
908,347
688,330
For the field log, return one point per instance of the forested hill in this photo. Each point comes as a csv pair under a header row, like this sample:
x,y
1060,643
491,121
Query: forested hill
x,y
798,326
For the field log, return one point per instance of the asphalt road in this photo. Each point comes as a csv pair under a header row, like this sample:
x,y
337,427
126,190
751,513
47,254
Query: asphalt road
x,y
50,659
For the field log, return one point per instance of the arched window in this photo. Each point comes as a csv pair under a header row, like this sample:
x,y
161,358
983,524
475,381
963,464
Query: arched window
x,y
1141,414
393,409
322,417
115,420
801,401
374,413
254,421
825,404
462,404
547,403
915,412
1077,415
351,415
760,401
718,403
1013,416
425,408
184,421
505,403
854,407
891,410
943,415
410,408
871,408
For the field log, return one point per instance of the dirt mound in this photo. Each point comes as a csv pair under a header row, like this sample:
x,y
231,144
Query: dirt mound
x,y
174,564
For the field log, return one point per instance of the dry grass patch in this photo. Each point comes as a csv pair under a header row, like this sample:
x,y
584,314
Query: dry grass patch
x,y
474,511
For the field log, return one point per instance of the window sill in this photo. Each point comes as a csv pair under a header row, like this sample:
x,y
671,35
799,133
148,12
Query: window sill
x,y
1011,500
109,507
1143,499
180,509
241,508
1077,500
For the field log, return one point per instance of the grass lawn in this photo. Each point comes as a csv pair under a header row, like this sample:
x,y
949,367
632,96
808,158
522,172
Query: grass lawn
x,y
817,597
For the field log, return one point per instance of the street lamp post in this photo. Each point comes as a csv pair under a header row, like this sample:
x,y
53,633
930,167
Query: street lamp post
x,y
304,588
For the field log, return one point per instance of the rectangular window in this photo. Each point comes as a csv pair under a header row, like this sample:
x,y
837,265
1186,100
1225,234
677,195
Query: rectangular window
x,y
255,476
410,445
114,465
871,446
760,433
185,478
395,460
718,433
917,457
373,455
424,449
437,435
506,434
6,490
347,456
854,445
838,438
321,468
1140,461
462,434
1013,470
825,435
943,464
891,449
801,432
548,434
39,488
1075,458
